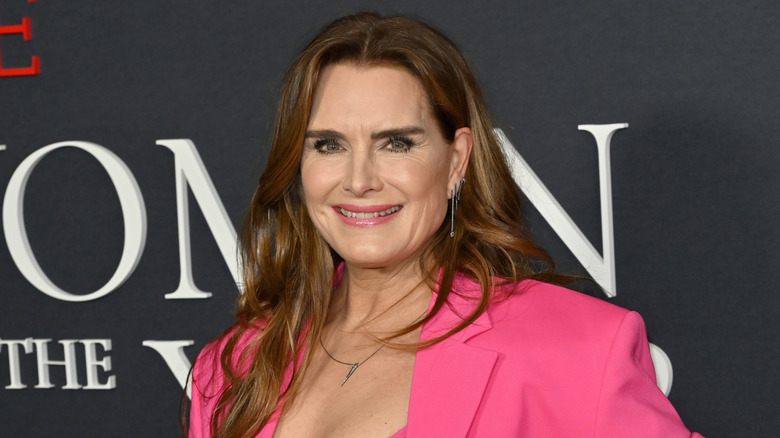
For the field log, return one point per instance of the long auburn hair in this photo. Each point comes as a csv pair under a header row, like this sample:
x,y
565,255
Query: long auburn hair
x,y
288,268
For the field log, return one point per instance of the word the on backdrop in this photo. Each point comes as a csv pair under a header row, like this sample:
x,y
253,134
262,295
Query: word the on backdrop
x,y
86,357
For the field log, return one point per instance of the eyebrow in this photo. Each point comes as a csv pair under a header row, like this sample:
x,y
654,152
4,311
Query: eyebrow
x,y
324,133
392,132
397,132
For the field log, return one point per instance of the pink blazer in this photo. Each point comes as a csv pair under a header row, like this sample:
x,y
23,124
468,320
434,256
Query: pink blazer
x,y
543,361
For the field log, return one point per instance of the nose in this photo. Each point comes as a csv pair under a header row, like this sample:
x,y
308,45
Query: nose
x,y
361,176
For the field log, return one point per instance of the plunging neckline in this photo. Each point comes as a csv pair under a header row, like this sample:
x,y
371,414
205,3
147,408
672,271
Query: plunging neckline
x,y
401,433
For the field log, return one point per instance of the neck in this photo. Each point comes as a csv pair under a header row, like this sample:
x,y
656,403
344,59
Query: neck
x,y
378,300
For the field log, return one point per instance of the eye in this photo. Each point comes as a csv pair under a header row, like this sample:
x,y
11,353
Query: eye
x,y
399,143
327,146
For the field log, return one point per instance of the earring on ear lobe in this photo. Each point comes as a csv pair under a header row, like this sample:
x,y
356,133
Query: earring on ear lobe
x,y
459,189
454,200
452,212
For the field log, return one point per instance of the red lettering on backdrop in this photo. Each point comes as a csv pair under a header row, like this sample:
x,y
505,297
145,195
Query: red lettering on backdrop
x,y
25,29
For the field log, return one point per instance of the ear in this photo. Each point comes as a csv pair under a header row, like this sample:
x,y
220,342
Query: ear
x,y
461,151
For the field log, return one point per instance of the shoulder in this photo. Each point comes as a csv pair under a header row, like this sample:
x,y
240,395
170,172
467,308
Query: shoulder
x,y
209,380
208,376
541,302
536,312
565,339
550,304
583,363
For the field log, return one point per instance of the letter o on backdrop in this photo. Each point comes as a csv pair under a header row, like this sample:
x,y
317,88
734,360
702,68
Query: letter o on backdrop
x,y
133,214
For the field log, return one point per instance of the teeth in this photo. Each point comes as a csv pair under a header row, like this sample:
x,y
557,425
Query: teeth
x,y
355,215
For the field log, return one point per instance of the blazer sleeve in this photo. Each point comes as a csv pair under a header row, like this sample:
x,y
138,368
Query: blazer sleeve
x,y
206,388
196,425
630,402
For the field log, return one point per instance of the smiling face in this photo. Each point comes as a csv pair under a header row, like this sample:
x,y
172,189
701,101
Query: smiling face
x,y
376,170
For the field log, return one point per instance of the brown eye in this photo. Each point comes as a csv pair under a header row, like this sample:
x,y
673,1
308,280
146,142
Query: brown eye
x,y
399,144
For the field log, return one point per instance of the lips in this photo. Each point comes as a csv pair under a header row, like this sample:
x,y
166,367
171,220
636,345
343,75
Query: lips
x,y
368,214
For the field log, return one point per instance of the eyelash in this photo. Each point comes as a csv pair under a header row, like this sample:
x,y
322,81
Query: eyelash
x,y
408,143
321,145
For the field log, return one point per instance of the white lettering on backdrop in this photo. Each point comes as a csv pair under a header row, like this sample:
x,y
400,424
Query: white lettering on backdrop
x,y
189,168
133,214
91,363
191,172
172,353
602,269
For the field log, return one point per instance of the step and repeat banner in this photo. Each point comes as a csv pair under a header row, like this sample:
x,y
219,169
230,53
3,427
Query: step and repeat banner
x,y
645,136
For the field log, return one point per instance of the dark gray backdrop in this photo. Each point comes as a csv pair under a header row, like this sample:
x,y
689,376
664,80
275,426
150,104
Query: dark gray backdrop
x,y
694,176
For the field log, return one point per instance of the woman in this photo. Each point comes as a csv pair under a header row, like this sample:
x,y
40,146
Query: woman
x,y
389,288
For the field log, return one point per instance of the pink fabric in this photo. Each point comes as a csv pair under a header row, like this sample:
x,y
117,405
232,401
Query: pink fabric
x,y
543,361
400,434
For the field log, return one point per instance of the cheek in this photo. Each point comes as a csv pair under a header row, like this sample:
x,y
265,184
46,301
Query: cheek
x,y
313,199
428,172
430,181
427,185
314,182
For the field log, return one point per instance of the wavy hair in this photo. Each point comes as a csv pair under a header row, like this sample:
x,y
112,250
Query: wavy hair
x,y
288,268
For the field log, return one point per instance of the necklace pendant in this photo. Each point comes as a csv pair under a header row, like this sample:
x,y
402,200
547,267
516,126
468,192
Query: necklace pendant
x,y
349,374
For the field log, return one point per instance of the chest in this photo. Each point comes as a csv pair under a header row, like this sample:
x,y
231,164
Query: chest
x,y
373,402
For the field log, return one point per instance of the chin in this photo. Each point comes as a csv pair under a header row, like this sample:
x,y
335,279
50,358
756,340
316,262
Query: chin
x,y
375,260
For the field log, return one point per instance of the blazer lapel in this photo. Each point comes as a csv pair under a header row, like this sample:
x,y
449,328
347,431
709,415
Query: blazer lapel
x,y
450,377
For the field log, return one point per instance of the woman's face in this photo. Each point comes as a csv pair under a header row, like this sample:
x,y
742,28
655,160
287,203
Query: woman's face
x,y
376,170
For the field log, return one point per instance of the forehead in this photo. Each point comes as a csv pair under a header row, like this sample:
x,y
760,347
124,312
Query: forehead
x,y
375,95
